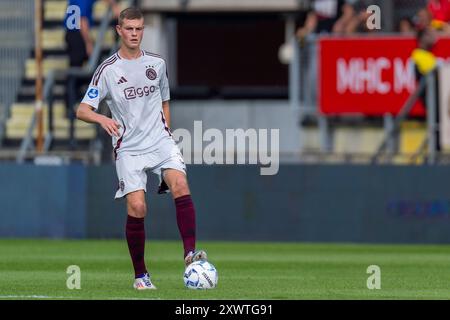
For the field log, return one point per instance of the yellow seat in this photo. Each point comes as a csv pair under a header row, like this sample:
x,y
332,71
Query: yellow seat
x,y
27,109
21,115
412,135
56,10
310,139
54,38
59,63
348,140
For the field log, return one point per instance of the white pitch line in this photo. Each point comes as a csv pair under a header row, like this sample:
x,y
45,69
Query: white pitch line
x,y
31,296
50,297
121,298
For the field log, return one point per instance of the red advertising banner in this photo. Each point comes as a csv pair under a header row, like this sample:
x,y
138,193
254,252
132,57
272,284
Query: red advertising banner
x,y
371,76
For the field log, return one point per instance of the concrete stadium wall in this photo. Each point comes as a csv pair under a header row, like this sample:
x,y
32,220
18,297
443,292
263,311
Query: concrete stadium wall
x,y
302,203
42,201
244,114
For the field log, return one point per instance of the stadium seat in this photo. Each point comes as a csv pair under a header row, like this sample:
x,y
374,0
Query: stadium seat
x,y
54,58
364,140
50,63
310,139
55,10
54,38
21,114
412,135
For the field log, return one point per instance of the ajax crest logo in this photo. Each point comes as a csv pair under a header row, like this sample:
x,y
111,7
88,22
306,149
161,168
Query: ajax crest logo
x,y
151,74
93,93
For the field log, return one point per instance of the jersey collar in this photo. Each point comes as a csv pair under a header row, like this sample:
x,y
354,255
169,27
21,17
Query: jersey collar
x,y
142,54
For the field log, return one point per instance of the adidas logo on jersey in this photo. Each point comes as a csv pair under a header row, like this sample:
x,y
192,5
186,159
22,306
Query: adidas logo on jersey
x,y
122,80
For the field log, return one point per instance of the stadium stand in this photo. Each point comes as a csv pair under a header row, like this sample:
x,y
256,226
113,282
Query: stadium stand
x,y
344,135
55,58
15,41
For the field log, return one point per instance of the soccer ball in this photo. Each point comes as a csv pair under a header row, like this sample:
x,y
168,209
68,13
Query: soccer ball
x,y
200,275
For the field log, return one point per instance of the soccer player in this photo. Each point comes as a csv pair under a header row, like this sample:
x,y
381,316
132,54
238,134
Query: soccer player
x,y
135,86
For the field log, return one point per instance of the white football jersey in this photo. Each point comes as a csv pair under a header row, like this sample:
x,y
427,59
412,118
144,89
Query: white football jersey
x,y
134,91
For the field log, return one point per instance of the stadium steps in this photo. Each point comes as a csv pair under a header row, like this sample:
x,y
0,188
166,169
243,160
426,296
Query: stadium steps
x,y
55,58
27,92
53,39
21,115
55,10
50,63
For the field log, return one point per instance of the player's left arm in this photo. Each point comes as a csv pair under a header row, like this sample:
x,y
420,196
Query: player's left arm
x,y
166,111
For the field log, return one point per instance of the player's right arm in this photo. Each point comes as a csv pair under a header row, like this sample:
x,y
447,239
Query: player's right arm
x,y
86,113
96,92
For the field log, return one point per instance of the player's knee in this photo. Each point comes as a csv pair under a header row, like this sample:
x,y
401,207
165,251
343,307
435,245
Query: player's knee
x,y
137,209
180,187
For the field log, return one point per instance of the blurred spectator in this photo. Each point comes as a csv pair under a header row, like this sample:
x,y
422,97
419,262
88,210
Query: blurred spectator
x,y
425,62
325,16
440,12
358,19
422,19
405,25
436,14
79,43
423,57
336,16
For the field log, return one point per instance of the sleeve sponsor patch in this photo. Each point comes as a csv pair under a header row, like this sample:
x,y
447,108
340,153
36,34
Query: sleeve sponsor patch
x,y
92,93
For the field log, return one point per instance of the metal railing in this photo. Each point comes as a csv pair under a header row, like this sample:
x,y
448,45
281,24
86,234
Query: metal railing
x,y
16,35
302,86
394,128
303,99
71,73
426,85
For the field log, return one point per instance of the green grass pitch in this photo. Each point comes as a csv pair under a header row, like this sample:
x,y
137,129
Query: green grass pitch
x,y
36,269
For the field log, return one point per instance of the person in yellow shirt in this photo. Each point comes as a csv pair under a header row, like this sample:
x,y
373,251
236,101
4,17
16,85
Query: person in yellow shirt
x,y
425,62
423,57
